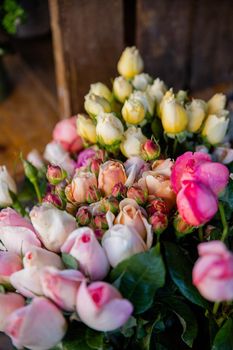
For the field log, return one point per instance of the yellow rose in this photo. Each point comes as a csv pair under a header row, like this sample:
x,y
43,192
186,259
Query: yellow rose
x,y
86,128
130,63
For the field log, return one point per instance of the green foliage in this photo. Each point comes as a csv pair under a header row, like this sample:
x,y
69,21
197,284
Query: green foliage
x,y
69,261
224,337
13,15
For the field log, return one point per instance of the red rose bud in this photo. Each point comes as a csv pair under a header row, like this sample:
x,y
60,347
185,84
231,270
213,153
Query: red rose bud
x,y
100,221
93,195
95,166
181,227
159,222
83,216
99,233
55,174
119,191
138,194
53,199
110,204
157,205
150,150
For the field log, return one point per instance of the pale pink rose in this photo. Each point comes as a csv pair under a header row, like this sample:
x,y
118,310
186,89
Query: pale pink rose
x,y
100,306
27,282
61,286
39,325
65,132
56,155
80,185
40,257
163,167
16,233
111,173
131,215
223,154
196,203
52,225
35,159
120,242
213,271
9,263
9,302
83,245
135,167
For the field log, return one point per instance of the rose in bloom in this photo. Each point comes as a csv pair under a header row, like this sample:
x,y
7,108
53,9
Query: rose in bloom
x,y
132,142
86,128
111,173
213,271
120,242
52,225
61,286
9,302
6,183
65,132
80,185
35,159
215,128
101,307
131,215
122,89
56,155
16,233
130,63
109,129
9,263
39,325
82,244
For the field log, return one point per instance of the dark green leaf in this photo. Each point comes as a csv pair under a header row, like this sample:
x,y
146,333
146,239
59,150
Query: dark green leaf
x,y
224,337
128,328
227,196
139,277
69,261
94,339
180,270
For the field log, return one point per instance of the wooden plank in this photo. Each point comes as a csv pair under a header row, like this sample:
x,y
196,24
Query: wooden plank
x,y
163,31
88,40
212,61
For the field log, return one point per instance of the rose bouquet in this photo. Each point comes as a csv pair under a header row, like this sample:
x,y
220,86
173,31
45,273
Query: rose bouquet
x,y
128,245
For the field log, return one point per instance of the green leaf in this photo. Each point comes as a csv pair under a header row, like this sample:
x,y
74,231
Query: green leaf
x,y
186,317
94,339
224,337
69,261
128,328
180,270
227,196
139,277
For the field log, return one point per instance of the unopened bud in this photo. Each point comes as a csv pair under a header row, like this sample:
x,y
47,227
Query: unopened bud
x,y
71,208
99,233
119,191
53,199
93,194
83,216
138,194
157,205
100,221
95,166
110,204
30,171
150,150
55,174
69,194
181,227
159,222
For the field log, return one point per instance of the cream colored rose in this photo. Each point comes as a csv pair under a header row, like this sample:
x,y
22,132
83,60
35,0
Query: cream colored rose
x,y
141,81
122,89
196,111
132,142
130,63
100,89
216,103
95,104
215,128
111,173
109,129
86,128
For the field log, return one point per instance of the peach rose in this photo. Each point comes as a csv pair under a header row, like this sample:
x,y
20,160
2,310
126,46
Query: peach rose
x,y
111,173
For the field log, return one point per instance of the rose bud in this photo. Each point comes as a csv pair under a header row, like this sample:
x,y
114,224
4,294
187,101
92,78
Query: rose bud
x,y
40,257
100,221
27,282
71,208
39,325
80,186
150,150
138,194
173,115
157,90
95,166
6,184
61,286
55,174
215,128
110,204
9,263
86,128
159,222
111,173
213,272
56,155
133,111
101,90
145,99
93,194
54,200
119,191
52,225
101,307
83,216
120,242
216,103
94,105
141,81
130,63
66,134
9,302
84,247
16,233
99,233
132,141
157,205
181,227
196,111
35,159
122,89
109,129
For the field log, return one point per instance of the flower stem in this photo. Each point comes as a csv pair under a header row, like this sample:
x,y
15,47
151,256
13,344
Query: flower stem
x,y
200,233
224,221
215,307
175,146
36,187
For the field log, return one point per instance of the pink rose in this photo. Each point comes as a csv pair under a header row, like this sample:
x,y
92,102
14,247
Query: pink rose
x,y
82,244
101,307
61,286
85,157
65,132
213,271
40,257
35,159
9,263
111,173
80,185
16,233
196,203
9,302
39,325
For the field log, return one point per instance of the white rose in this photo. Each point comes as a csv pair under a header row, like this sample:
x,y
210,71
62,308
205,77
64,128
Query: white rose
x,y
141,81
56,155
215,128
132,141
109,129
101,90
122,89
